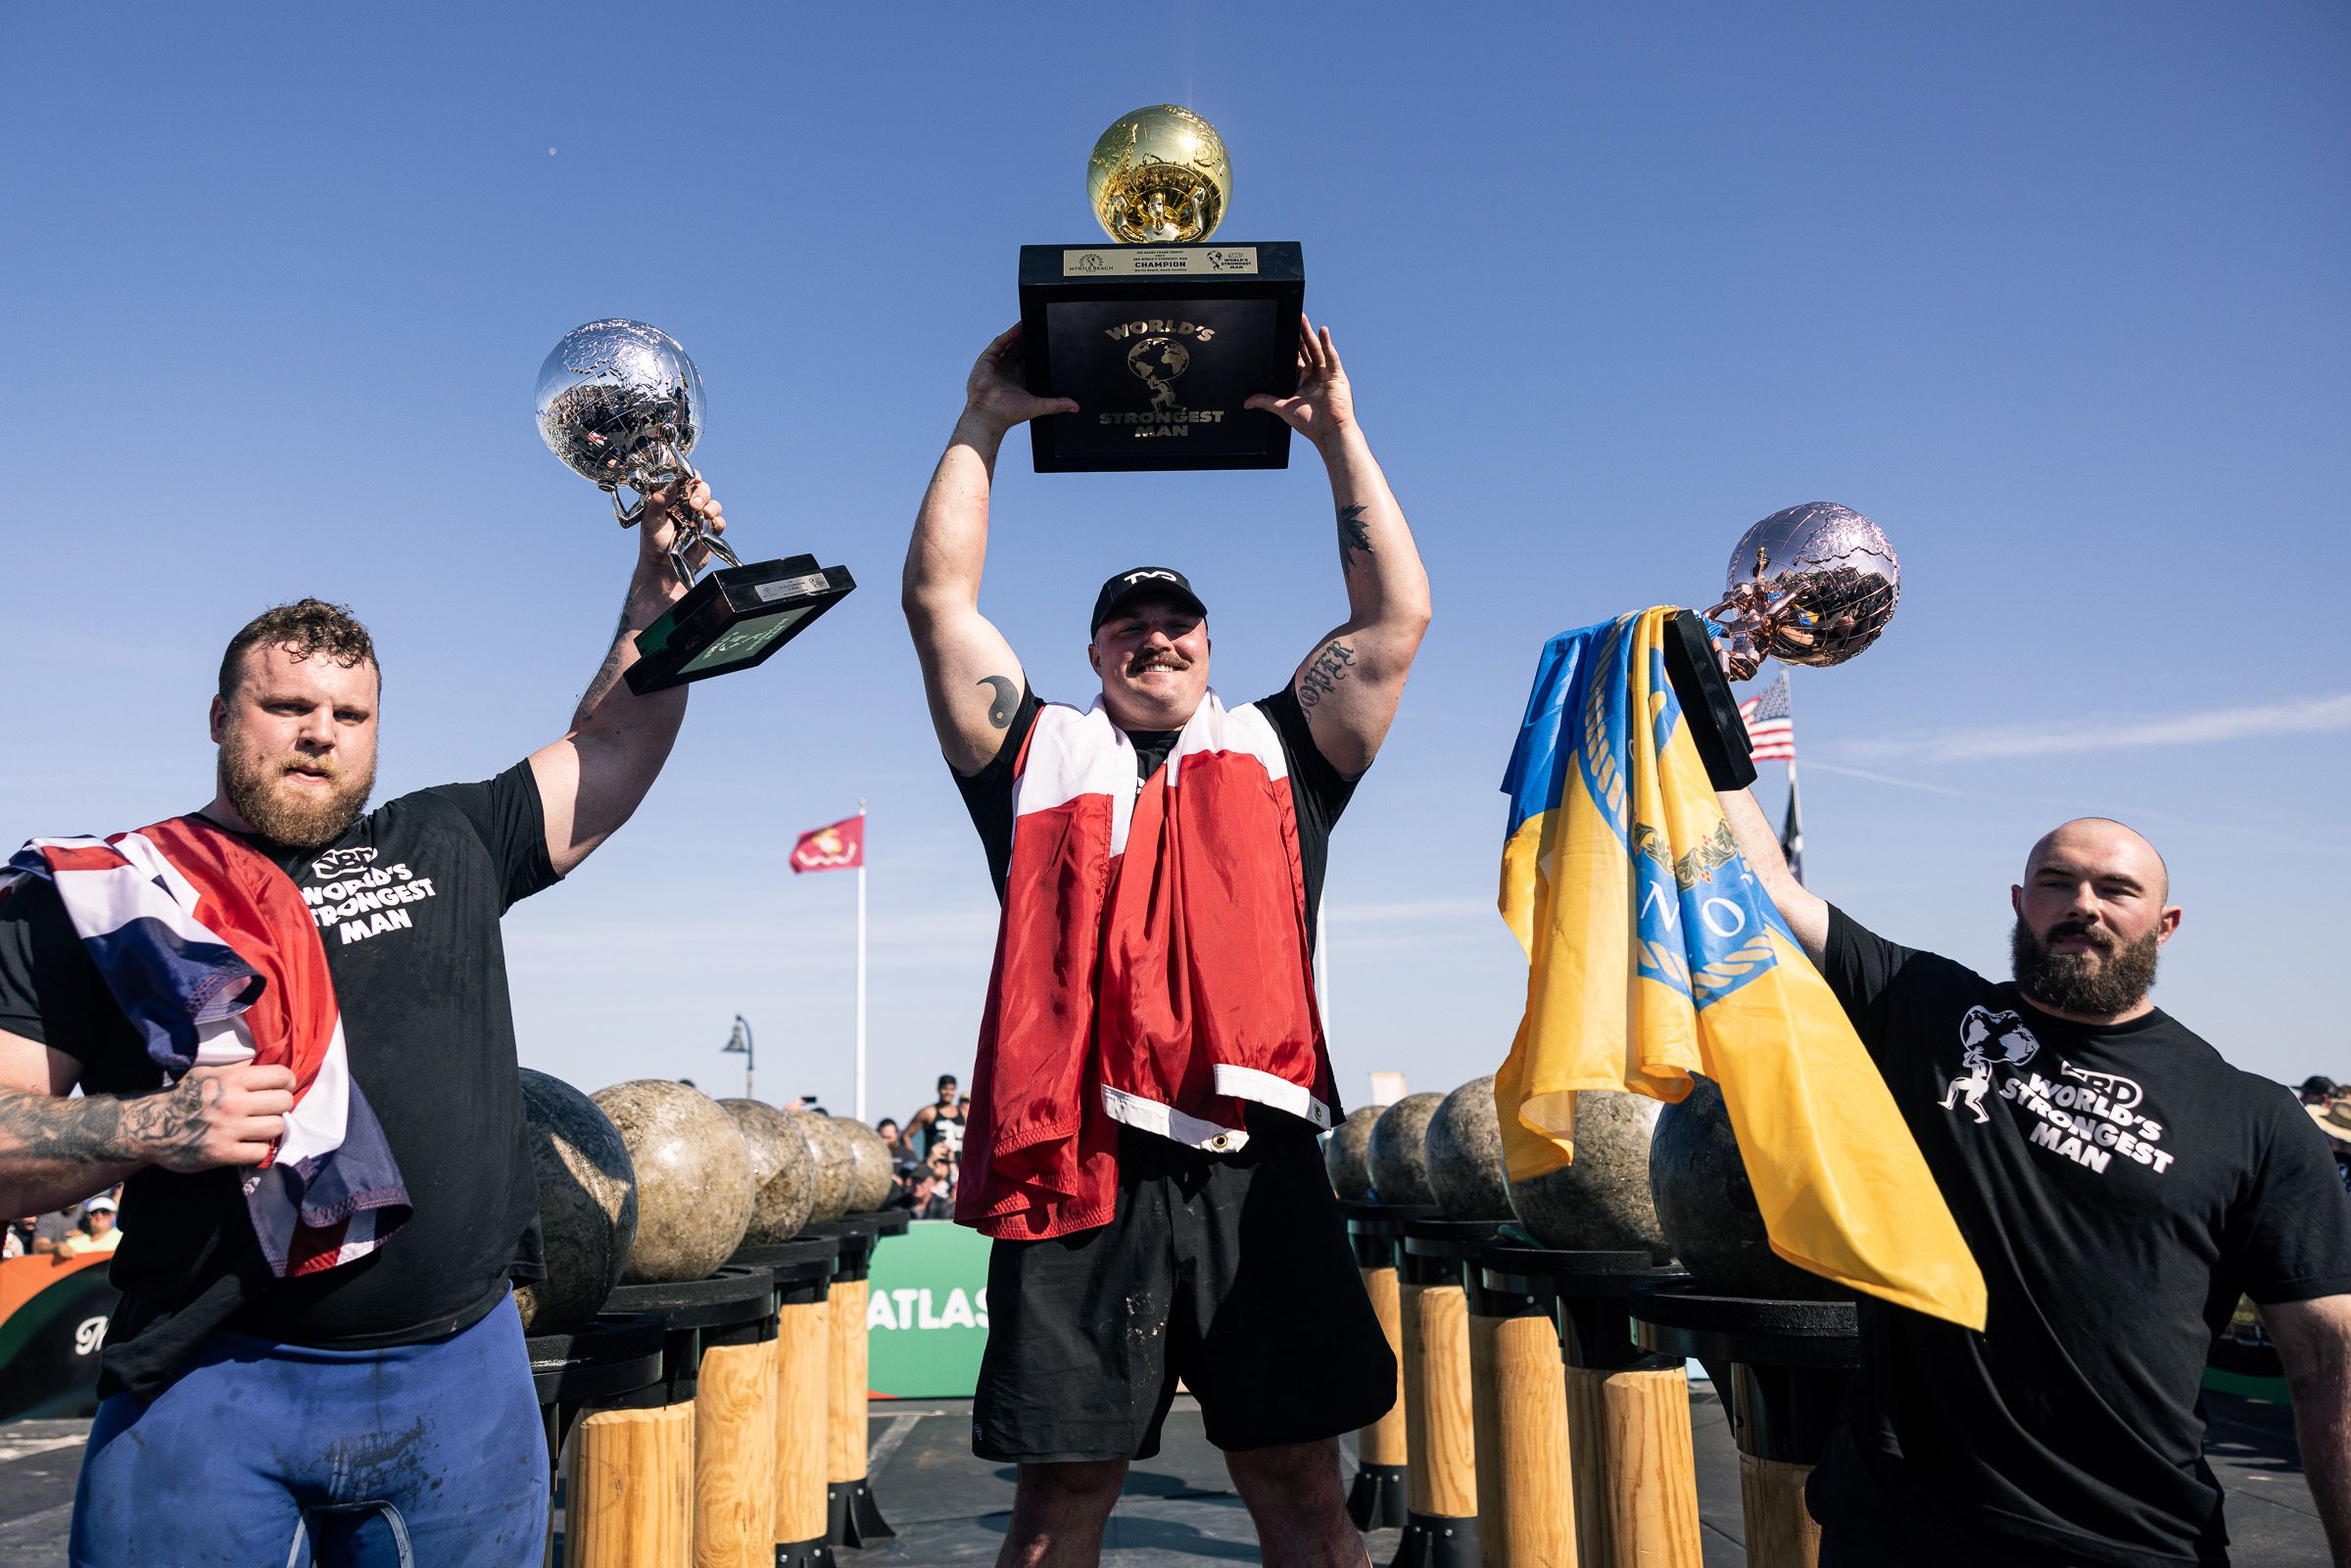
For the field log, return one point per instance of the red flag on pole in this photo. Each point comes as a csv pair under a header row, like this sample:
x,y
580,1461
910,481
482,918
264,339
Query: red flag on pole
x,y
838,847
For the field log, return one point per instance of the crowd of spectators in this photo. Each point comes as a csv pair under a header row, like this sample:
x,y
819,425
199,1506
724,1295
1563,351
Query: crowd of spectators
x,y
928,1153
88,1227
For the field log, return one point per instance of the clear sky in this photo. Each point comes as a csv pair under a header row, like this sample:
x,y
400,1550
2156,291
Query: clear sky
x,y
2057,294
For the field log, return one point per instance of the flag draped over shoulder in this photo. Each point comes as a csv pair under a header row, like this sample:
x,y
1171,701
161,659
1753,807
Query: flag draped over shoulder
x,y
1654,954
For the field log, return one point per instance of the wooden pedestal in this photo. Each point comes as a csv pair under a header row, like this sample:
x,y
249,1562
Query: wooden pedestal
x,y
734,1458
630,1499
1525,1509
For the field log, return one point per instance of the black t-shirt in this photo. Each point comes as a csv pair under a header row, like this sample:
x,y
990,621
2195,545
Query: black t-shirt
x,y
2120,1186
407,904
1318,791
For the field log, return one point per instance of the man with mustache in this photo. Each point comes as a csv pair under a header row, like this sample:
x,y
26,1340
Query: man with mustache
x,y
376,1404
1151,1073
2126,1186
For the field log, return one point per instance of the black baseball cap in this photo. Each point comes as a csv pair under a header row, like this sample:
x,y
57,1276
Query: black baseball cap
x,y
1162,581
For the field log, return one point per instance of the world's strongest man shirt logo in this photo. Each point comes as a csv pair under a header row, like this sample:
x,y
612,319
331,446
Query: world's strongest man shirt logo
x,y
1157,351
2091,1118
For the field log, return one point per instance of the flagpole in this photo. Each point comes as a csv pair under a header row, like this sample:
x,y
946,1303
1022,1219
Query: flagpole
x,y
861,962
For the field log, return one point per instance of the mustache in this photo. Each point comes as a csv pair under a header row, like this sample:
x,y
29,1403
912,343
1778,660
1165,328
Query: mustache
x,y
2099,938
321,767
1166,657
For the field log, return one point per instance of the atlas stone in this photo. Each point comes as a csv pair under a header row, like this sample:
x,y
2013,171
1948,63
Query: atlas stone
x,y
1600,1203
587,1204
694,1179
783,1171
871,1180
1345,1153
1707,1205
1465,1154
1398,1149
831,1152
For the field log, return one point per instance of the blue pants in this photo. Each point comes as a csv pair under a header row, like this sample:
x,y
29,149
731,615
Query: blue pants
x,y
263,1453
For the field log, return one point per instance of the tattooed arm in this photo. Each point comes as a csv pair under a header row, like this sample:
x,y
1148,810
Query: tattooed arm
x,y
970,675
56,1150
592,781
1351,683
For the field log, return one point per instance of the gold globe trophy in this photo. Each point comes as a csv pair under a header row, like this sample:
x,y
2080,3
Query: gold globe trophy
x,y
1159,176
1163,334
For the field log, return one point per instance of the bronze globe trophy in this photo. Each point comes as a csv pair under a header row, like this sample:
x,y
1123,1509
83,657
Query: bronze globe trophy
x,y
621,404
1163,334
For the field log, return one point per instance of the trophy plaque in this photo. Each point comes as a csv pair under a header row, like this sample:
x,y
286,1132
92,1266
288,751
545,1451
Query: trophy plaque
x,y
1162,334
621,404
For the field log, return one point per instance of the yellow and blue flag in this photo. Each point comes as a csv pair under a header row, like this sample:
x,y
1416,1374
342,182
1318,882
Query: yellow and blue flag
x,y
1654,954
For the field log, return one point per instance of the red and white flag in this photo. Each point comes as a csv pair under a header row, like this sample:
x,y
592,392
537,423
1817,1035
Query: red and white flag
x,y
1770,722
840,847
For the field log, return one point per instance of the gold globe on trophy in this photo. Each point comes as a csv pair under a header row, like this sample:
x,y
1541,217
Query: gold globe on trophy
x,y
1159,176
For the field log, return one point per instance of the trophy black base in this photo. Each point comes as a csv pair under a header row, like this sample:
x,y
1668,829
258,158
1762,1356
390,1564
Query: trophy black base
x,y
1431,1540
1376,1501
1160,345
734,618
852,1518
817,1554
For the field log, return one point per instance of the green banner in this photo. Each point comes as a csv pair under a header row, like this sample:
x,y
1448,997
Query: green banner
x,y
925,1319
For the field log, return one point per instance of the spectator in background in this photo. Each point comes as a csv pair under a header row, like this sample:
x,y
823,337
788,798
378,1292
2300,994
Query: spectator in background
x,y
99,1233
2318,1091
939,1124
923,1198
891,1139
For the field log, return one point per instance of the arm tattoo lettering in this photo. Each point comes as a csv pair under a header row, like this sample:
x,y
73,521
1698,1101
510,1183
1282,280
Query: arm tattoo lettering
x,y
1006,701
1354,534
1323,675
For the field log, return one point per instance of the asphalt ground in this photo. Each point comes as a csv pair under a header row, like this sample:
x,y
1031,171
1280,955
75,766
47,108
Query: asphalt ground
x,y
951,1510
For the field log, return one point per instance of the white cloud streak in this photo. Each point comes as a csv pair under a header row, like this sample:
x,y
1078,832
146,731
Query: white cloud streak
x,y
2261,721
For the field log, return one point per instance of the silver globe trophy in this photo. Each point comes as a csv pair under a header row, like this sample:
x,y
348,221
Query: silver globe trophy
x,y
621,404
1812,585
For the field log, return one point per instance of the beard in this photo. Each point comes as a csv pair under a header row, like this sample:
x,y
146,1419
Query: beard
x,y
257,788
2111,978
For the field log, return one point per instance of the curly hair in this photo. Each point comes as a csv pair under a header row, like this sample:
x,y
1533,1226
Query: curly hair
x,y
306,628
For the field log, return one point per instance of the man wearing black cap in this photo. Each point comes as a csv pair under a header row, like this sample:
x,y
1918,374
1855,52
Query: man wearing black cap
x,y
1151,1070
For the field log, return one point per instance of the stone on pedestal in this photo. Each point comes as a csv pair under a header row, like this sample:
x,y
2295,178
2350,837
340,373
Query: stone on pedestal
x,y
831,1152
1707,1210
870,1178
1600,1203
1465,1154
1398,1154
587,1205
1344,1155
694,1179
783,1170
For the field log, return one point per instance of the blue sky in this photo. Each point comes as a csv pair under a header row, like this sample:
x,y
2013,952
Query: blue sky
x,y
2055,294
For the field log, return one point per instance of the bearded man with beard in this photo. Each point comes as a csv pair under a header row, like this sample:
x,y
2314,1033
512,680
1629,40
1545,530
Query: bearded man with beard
x,y
372,1400
2120,1184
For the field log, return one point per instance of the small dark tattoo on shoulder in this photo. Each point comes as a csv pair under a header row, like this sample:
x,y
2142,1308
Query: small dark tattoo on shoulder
x,y
1007,698
1353,534
1323,675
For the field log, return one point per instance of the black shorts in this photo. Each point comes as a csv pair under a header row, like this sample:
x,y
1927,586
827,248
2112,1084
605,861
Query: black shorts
x,y
1231,1272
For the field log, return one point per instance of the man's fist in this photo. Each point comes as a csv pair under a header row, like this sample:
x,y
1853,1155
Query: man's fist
x,y
996,392
229,1116
659,522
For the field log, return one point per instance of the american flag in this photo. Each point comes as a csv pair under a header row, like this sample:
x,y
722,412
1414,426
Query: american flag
x,y
1770,722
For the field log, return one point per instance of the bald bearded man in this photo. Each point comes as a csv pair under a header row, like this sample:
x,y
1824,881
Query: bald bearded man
x,y
2121,1185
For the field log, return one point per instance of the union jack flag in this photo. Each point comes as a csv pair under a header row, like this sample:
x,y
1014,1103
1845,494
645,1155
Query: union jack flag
x,y
1770,722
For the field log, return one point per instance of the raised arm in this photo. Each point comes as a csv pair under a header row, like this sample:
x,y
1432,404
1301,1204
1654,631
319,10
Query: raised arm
x,y
969,672
1806,915
591,781
1351,682
58,1148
